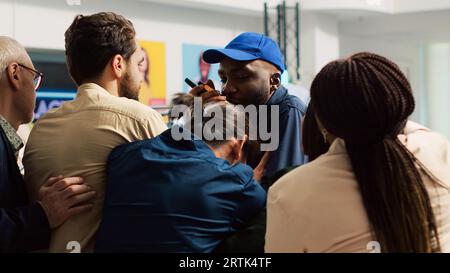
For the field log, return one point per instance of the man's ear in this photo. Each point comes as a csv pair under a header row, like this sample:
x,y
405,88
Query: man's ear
x,y
119,66
275,81
13,76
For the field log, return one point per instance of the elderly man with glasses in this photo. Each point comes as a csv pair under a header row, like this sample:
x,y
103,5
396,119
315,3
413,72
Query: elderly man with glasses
x,y
25,226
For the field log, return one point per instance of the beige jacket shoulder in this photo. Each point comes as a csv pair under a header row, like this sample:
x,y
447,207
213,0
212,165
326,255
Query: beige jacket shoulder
x,y
318,207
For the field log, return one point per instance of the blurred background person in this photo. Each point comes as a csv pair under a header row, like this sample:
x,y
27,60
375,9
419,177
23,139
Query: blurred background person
x,y
204,69
180,99
145,93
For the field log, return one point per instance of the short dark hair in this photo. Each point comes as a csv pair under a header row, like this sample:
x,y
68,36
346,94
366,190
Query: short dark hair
x,y
91,42
182,99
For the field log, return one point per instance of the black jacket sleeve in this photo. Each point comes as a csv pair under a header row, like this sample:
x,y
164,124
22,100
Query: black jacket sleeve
x,y
24,229
247,240
23,226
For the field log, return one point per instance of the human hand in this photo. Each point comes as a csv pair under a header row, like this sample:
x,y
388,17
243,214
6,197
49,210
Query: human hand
x,y
62,198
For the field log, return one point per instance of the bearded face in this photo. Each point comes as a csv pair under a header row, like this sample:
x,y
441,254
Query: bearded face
x,y
129,87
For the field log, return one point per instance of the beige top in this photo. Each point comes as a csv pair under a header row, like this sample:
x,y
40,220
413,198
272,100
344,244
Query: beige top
x,y
318,207
75,140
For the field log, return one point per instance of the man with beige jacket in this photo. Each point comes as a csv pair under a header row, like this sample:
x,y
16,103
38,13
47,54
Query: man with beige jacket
x,y
104,59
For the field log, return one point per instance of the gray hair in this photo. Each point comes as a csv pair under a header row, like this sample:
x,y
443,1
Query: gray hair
x,y
220,122
11,51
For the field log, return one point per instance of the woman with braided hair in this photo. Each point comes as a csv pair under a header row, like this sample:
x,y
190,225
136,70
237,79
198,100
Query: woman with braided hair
x,y
383,185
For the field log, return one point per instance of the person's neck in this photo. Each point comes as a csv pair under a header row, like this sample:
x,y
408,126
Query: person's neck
x,y
216,151
7,113
110,86
271,93
330,139
219,153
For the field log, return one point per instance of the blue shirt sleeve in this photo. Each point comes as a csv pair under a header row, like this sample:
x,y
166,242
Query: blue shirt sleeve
x,y
289,152
250,197
252,201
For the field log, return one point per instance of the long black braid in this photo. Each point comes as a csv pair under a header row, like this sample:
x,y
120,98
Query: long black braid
x,y
366,100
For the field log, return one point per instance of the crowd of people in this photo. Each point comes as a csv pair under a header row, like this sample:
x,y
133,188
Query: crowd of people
x,y
246,168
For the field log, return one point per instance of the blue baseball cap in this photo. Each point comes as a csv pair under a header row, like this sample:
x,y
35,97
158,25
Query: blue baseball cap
x,y
248,46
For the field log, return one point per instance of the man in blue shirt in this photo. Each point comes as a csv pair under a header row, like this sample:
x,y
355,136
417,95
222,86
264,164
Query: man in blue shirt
x,y
250,69
179,195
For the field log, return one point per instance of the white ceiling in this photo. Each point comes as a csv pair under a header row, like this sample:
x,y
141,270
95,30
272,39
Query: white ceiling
x,y
424,20
342,8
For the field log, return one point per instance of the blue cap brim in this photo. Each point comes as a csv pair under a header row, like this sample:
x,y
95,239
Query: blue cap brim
x,y
213,56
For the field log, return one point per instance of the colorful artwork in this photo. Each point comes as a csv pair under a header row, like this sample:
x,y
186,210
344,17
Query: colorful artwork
x,y
195,68
153,88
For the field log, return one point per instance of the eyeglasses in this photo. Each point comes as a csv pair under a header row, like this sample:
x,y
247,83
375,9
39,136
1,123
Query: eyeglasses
x,y
37,80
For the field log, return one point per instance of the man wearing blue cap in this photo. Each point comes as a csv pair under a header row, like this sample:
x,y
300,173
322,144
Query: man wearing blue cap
x,y
250,69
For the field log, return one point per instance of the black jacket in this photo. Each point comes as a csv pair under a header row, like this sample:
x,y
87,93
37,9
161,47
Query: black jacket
x,y
23,226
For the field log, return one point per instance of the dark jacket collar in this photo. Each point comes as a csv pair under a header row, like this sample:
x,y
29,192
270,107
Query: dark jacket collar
x,y
278,96
192,145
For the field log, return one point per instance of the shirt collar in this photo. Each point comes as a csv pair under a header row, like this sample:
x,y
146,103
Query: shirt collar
x,y
278,96
338,145
91,88
193,144
12,136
